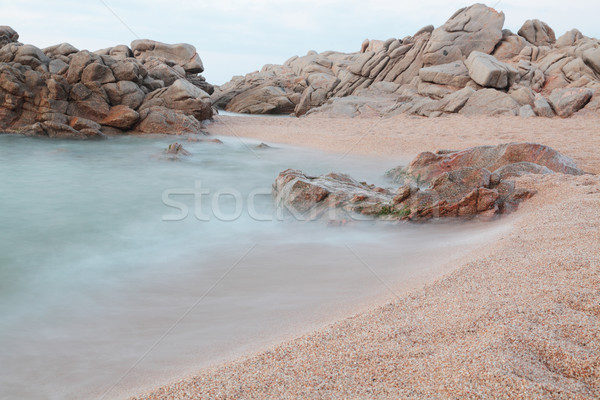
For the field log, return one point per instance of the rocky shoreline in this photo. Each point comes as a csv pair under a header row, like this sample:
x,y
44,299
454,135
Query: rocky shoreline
x,y
469,65
446,184
62,92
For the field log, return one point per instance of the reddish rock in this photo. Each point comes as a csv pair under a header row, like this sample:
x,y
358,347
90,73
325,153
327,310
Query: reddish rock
x,y
428,165
121,117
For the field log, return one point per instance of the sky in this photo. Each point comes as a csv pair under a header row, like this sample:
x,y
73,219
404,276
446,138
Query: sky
x,y
235,37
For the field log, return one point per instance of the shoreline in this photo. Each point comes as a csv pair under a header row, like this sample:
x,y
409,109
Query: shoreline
x,y
456,334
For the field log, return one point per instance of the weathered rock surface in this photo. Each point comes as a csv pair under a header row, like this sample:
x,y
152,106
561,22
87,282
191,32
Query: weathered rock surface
x,y
475,28
454,184
487,71
566,102
66,93
471,50
182,54
537,32
490,102
429,165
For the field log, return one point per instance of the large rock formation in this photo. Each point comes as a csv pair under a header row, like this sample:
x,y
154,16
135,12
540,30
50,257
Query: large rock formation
x,y
423,73
62,92
466,184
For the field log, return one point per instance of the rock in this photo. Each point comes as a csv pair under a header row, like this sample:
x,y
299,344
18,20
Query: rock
x,y
57,67
184,96
537,33
79,61
490,102
159,119
127,70
7,35
177,150
31,56
526,111
262,100
487,71
475,28
61,92
592,58
523,96
429,165
96,72
60,131
452,74
262,146
520,169
82,123
465,192
542,108
63,49
160,71
510,46
182,54
125,93
569,38
566,102
121,117
318,91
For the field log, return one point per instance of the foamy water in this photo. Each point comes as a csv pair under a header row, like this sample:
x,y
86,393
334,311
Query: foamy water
x,y
106,291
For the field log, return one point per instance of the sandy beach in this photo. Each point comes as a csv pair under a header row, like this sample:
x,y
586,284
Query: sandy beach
x,y
518,319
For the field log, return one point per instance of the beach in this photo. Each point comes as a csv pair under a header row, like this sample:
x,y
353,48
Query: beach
x,y
519,318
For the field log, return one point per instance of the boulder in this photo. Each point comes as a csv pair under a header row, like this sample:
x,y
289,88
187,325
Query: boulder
x,y
79,61
264,99
510,46
183,96
452,74
566,102
592,58
541,107
475,28
526,111
121,117
125,93
537,32
7,35
182,54
62,49
487,71
465,192
429,165
569,38
163,120
524,96
128,70
490,102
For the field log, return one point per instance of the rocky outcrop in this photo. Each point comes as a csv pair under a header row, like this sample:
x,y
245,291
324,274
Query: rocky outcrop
x,y
428,166
487,71
566,102
537,33
66,93
475,28
470,50
466,184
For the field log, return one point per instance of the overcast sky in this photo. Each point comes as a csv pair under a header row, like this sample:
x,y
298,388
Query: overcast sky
x,y
234,37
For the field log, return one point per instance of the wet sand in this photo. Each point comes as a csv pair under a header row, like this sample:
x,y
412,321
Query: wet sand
x,y
519,318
